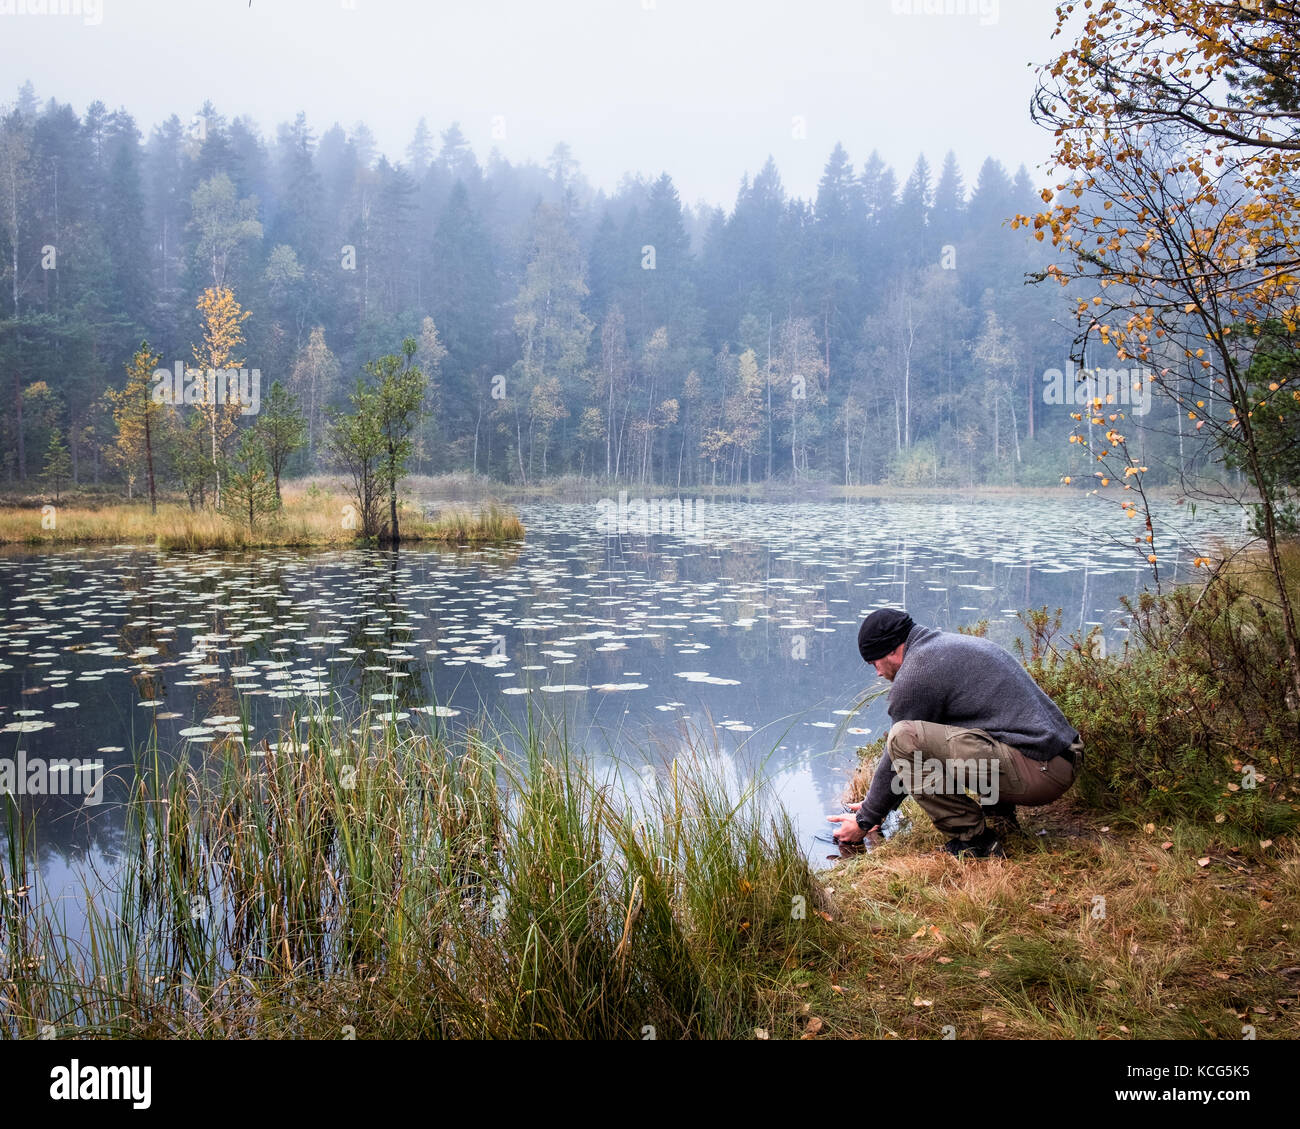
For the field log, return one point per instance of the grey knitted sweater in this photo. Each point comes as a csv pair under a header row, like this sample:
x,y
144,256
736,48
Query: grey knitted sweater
x,y
971,683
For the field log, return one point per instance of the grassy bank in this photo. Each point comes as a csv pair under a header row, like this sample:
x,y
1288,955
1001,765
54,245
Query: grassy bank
x,y
310,518
1102,928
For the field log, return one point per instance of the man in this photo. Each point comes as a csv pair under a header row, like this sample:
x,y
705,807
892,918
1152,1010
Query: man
x,y
966,717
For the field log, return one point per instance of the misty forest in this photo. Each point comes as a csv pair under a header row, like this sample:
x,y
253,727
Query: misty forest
x,y
881,333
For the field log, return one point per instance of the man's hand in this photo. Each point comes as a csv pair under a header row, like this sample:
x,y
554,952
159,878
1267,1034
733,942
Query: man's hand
x,y
849,831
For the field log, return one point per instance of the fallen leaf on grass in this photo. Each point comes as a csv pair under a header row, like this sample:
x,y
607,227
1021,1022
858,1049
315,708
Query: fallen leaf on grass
x,y
919,934
983,973
945,960
918,1002
1166,845
814,1026
1203,862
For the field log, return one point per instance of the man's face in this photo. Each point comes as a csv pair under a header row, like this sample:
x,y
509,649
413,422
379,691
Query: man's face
x,y
888,666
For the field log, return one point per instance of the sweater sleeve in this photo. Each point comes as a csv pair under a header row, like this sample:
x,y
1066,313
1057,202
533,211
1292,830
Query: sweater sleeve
x,y
881,797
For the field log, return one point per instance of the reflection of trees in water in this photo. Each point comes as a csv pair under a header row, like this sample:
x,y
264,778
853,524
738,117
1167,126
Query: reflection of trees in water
x,y
59,828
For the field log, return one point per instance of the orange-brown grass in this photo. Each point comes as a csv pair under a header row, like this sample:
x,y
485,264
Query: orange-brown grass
x,y
1089,931
309,518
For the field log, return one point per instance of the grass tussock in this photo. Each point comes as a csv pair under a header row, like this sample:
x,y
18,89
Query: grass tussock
x,y
308,518
492,524
403,886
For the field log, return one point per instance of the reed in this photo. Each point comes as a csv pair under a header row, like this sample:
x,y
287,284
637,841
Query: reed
x,y
366,879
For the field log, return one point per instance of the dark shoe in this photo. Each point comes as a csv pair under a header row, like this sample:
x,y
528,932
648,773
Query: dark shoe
x,y
982,846
1002,816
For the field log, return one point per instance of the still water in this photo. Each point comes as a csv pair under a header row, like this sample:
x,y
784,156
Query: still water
x,y
738,624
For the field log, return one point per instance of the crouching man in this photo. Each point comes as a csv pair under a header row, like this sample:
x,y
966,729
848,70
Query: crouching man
x,y
967,717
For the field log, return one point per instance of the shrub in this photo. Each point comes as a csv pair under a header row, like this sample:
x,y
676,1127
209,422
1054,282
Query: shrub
x,y
1191,719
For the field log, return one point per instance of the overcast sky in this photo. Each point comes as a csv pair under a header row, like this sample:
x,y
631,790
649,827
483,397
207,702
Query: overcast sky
x,y
701,89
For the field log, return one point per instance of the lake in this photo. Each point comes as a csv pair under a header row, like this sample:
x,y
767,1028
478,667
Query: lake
x,y
636,628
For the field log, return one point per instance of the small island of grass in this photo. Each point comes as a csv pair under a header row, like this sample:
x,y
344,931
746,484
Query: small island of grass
x,y
309,517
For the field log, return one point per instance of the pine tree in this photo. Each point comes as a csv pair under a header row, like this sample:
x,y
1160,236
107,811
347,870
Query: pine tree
x,y
419,153
281,430
58,464
248,494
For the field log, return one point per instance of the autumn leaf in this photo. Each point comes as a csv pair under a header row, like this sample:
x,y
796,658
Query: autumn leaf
x,y
814,1028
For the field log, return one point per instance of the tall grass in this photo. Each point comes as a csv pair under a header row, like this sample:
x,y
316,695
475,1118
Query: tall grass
x,y
400,884
493,523
307,519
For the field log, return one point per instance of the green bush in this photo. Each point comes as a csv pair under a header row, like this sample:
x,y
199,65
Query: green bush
x,y
919,465
1192,719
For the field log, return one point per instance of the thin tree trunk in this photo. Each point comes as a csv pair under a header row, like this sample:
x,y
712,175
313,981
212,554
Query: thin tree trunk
x,y
18,411
148,451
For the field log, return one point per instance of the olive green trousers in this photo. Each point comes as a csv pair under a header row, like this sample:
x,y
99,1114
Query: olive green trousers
x,y
954,774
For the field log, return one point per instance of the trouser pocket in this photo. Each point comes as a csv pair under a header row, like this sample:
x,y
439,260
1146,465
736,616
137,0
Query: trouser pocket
x,y
991,769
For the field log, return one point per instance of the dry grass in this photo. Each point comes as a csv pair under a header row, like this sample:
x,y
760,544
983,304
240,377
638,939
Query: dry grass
x,y
1088,932
310,518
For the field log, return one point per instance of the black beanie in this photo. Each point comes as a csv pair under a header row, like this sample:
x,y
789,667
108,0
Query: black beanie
x,y
881,632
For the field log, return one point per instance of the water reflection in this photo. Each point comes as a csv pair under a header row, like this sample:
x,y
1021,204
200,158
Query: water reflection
x,y
741,627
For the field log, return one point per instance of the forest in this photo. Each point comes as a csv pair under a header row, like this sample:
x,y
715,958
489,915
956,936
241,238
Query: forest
x,y
883,332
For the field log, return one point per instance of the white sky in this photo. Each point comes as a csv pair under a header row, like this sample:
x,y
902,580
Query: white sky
x,y
701,89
